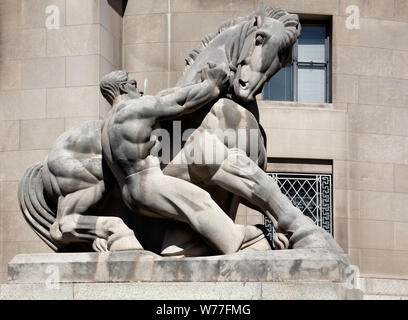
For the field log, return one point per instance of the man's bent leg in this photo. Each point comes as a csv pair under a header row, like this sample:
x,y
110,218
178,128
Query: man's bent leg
x,y
177,199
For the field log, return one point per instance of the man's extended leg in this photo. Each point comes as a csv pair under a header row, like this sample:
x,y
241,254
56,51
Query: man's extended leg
x,y
168,197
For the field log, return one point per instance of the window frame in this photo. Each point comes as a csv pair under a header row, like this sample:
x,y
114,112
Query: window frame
x,y
327,64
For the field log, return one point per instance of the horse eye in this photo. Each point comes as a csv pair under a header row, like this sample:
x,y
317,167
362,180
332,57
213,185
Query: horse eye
x,y
259,40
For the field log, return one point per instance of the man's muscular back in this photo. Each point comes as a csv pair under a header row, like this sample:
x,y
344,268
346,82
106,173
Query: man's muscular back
x,y
74,161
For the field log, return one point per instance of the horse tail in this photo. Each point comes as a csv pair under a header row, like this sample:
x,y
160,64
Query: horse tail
x,y
34,206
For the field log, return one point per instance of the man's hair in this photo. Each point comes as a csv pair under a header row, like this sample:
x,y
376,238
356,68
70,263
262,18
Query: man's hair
x,y
110,84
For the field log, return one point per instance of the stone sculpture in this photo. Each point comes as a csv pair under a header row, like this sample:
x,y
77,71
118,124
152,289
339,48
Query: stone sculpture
x,y
105,187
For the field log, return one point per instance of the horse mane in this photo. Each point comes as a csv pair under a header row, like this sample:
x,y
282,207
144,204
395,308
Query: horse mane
x,y
290,21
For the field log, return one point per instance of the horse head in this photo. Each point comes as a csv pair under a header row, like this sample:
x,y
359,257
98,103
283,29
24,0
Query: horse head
x,y
252,49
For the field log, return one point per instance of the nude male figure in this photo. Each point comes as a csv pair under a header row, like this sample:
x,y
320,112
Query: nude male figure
x,y
127,142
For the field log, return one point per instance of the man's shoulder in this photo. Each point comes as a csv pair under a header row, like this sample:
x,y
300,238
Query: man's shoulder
x,y
122,110
132,109
122,105
138,104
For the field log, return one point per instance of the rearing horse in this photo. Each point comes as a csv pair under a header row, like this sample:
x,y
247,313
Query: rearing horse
x,y
251,49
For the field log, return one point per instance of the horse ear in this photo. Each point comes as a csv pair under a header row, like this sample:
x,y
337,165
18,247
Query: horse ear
x,y
258,21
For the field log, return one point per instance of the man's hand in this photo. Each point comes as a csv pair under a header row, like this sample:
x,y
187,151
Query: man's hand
x,y
186,99
217,75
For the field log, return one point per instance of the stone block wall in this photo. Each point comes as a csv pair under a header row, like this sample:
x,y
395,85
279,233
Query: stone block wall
x,y
374,59
49,82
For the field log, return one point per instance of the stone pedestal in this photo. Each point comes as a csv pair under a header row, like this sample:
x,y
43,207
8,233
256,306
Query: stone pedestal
x,y
284,274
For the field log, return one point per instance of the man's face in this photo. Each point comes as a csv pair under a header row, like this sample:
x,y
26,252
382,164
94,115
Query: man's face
x,y
132,90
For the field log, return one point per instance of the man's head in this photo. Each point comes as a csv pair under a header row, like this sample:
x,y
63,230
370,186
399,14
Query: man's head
x,y
118,83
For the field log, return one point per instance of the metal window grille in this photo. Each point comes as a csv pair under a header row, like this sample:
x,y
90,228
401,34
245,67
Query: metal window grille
x,y
311,193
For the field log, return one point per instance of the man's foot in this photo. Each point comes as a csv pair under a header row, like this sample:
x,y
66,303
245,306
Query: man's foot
x,y
255,239
100,245
280,241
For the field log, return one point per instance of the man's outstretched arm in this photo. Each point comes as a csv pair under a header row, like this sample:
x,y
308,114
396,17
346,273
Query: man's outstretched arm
x,y
187,99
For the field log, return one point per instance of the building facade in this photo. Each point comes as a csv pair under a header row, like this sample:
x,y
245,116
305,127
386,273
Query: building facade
x,y
337,137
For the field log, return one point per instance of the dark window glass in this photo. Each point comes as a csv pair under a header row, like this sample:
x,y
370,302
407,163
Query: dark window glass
x,y
311,44
280,85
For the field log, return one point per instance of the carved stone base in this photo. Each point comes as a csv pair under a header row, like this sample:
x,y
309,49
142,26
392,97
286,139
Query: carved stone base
x,y
283,274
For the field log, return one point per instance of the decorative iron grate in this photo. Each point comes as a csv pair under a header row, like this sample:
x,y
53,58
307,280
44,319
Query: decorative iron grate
x,y
311,193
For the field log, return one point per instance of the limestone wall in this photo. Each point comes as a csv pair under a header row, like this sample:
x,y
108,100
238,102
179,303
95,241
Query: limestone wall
x,y
48,83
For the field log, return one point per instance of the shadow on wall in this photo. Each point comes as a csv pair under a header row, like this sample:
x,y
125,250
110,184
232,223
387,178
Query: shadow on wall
x,y
119,6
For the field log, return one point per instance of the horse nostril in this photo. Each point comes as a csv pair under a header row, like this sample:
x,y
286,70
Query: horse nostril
x,y
243,83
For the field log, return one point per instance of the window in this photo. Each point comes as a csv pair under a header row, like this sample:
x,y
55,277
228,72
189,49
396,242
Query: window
x,y
308,185
311,193
306,78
